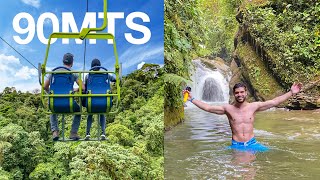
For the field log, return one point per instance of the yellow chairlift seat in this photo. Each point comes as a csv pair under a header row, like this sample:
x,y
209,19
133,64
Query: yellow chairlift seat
x,y
61,96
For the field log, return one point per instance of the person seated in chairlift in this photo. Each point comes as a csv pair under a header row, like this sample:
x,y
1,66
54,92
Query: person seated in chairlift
x,y
96,63
67,62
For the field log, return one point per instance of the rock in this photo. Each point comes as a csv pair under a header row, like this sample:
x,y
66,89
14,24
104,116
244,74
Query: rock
x,y
217,64
304,101
236,74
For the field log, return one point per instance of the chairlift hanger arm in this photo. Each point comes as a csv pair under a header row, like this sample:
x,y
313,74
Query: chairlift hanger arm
x,y
86,31
106,36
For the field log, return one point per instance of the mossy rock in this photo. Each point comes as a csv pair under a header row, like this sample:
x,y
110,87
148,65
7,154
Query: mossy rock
x,y
255,72
265,84
172,117
216,64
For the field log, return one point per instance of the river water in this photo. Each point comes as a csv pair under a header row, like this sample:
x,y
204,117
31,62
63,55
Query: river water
x,y
197,148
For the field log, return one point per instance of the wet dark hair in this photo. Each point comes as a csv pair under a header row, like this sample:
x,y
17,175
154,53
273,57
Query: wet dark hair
x,y
238,85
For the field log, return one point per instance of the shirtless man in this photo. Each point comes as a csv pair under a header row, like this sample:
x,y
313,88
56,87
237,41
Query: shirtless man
x,y
241,113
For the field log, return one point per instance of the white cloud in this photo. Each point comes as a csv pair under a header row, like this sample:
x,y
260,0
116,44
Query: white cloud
x,y
7,63
140,65
136,55
27,85
49,68
14,74
26,73
8,59
34,3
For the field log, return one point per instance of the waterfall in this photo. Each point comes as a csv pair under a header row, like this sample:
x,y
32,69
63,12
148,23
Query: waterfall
x,y
209,85
211,90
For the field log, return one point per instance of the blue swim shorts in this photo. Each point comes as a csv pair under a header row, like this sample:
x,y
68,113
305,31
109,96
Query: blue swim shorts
x,y
252,145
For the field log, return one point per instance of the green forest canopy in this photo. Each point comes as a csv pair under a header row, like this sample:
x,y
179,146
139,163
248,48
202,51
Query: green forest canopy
x,y
290,32
134,149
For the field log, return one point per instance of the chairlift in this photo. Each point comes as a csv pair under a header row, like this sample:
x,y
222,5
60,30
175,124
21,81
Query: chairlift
x,y
61,96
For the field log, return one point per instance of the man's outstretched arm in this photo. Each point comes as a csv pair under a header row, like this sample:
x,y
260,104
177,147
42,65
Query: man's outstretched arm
x,y
295,88
204,106
209,108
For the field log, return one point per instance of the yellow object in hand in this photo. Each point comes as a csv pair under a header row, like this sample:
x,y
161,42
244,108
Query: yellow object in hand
x,y
185,97
186,94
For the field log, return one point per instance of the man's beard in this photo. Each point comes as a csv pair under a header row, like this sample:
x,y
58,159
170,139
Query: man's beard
x,y
241,101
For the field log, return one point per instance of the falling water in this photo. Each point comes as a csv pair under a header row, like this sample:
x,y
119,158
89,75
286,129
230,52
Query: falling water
x,y
209,85
211,91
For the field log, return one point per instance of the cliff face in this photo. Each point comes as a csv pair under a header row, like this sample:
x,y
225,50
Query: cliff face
x,y
254,64
262,84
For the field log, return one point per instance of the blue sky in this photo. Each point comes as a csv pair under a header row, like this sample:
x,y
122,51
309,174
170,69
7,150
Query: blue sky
x,y
17,72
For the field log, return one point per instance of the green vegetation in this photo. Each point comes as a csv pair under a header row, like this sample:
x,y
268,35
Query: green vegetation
x,y
221,26
289,31
134,149
193,28
181,45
